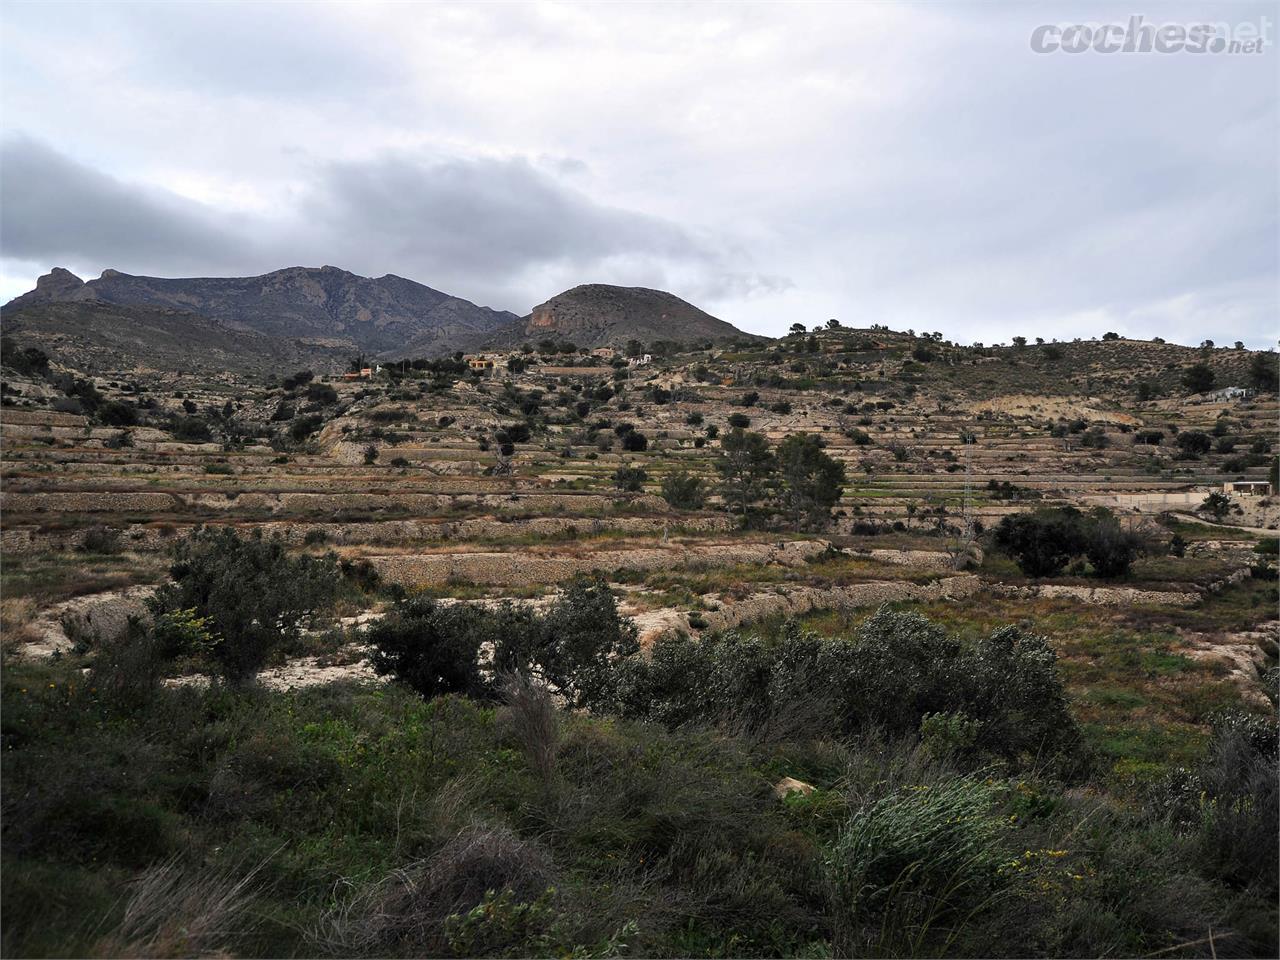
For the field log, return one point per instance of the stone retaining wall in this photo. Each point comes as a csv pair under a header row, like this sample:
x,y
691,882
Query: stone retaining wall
x,y
524,568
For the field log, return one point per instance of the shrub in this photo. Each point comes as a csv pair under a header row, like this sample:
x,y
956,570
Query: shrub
x,y
1041,542
739,421
635,442
100,539
116,413
897,670
629,478
1230,804
127,668
191,430
321,393
683,490
254,594
1095,439
433,648
573,646
304,427
1194,443
1110,548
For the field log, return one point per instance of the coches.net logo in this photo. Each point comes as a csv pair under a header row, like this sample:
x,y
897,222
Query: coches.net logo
x,y
1139,36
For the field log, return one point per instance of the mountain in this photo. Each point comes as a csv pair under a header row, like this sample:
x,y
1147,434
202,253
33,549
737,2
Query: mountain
x,y
93,335
597,315
385,316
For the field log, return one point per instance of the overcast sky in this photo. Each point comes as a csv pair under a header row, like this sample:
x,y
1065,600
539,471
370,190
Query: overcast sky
x,y
909,164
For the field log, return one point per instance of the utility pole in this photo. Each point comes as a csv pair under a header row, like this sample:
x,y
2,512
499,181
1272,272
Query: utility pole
x,y
968,439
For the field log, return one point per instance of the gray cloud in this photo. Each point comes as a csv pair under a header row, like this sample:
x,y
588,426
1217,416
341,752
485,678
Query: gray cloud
x,y
53,209
496,230
909,164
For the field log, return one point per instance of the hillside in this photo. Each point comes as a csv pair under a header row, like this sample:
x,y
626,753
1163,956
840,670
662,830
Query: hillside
x,y
748,682
89,335
598,315
384,315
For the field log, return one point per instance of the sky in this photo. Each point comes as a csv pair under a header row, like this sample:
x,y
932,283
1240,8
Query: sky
x,y
911,164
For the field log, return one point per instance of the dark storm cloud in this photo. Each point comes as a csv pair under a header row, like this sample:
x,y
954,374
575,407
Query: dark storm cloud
x,y
498,225
480,216
484,228
54,210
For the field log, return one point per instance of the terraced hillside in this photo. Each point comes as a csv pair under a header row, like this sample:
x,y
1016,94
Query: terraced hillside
x,y
502,483
704,520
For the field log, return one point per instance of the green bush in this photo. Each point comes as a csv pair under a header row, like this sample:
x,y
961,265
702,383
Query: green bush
x,y
898,670
434,648
683,490
1230,804
253,592
1041,542
629,478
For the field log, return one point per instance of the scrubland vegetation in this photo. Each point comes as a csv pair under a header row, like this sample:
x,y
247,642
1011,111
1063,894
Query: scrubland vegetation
x,y
525,785
1073,753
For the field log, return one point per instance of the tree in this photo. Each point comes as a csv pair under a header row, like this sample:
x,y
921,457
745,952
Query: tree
x,y
572,647
1194,442
1198,378
833,324
370,454
1110,336
797,328
1041,542
629,478
191,430
1263,372
634,348
635,442
812,481
746,469
683,490
1019,341
1217,505
922,353
254,594
1111,549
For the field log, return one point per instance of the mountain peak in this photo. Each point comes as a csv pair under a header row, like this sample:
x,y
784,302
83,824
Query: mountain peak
x,y
390,316
600,314
58,280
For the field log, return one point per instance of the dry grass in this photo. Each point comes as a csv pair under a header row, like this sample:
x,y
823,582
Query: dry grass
x,y
177,911
16,616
